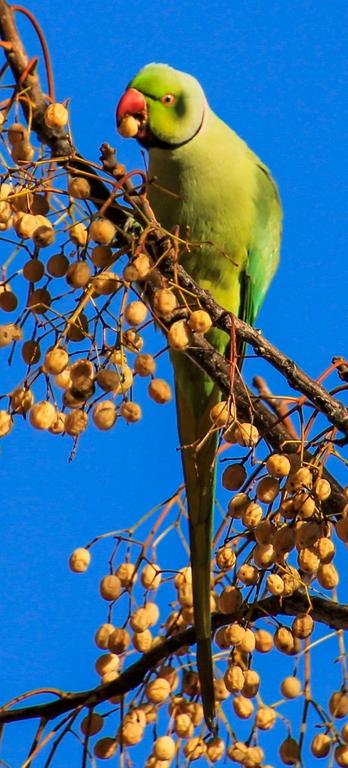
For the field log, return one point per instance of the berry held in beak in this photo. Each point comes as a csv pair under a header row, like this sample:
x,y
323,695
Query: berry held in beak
x,y
131,114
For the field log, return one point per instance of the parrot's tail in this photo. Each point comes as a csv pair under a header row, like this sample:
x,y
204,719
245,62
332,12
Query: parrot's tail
x,y
198,458
200,543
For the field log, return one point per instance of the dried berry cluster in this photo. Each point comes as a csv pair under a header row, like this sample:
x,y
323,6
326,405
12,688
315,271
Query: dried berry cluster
x,y
277,539
77,324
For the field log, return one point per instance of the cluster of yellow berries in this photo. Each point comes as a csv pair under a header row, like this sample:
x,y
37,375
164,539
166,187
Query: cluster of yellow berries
x,y
50,282
269,528
47,285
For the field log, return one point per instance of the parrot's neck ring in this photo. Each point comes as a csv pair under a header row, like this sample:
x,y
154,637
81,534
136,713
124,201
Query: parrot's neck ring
x,y
149,141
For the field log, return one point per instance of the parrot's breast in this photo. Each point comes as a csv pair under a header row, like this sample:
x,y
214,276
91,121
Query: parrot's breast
x,y
206,187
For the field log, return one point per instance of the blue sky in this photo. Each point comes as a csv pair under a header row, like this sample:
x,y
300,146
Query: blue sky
x,y
277,73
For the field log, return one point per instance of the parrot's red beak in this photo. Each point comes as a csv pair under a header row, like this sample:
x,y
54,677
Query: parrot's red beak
x,y
132,104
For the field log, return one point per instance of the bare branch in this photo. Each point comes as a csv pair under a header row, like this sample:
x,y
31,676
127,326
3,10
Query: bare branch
x,y
326,612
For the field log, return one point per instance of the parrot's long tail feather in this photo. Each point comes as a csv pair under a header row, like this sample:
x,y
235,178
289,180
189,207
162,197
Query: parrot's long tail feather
x,y
198,458
201,562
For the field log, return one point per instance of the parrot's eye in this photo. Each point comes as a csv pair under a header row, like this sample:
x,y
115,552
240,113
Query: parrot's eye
x,y
168,99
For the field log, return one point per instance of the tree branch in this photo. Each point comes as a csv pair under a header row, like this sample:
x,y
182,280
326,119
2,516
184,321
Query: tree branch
x,y
325,611
333,409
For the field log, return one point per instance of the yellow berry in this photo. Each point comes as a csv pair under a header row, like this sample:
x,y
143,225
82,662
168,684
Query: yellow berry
x,y
183,726
234,633
39,301
200,321
56,360
230,600
33,270
9,333
31,352
57,265
91,724
246,435
142,641
79,187
265,718
289,751
135,312
234,678
233,476
107,662
101,637
42,415
79,560
251,515
128,127
110,587
222,413
248,574
151,576
106,283
179,335
119,639
44,233
140,620
275,584
105,748
338,704
104,414
127,574
322,489
131,733
284,640
302,625
56,115
267,489
21,400
6,423
164,302
247,643
158,690
22,151
78,234
225,558
195,748
243,707
131,412
328,576
291,687
141,267
341,755
144,365
76,422
263,641
320,746
102,231
278,465
164,748
159,391
299,479
78,274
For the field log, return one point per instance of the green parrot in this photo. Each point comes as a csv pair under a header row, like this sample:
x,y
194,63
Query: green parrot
x,y
208,182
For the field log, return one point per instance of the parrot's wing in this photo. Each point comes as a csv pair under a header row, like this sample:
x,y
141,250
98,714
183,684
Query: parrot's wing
x,y
263,251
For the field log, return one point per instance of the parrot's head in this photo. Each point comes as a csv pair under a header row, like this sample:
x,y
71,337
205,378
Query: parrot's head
x,y
161,107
